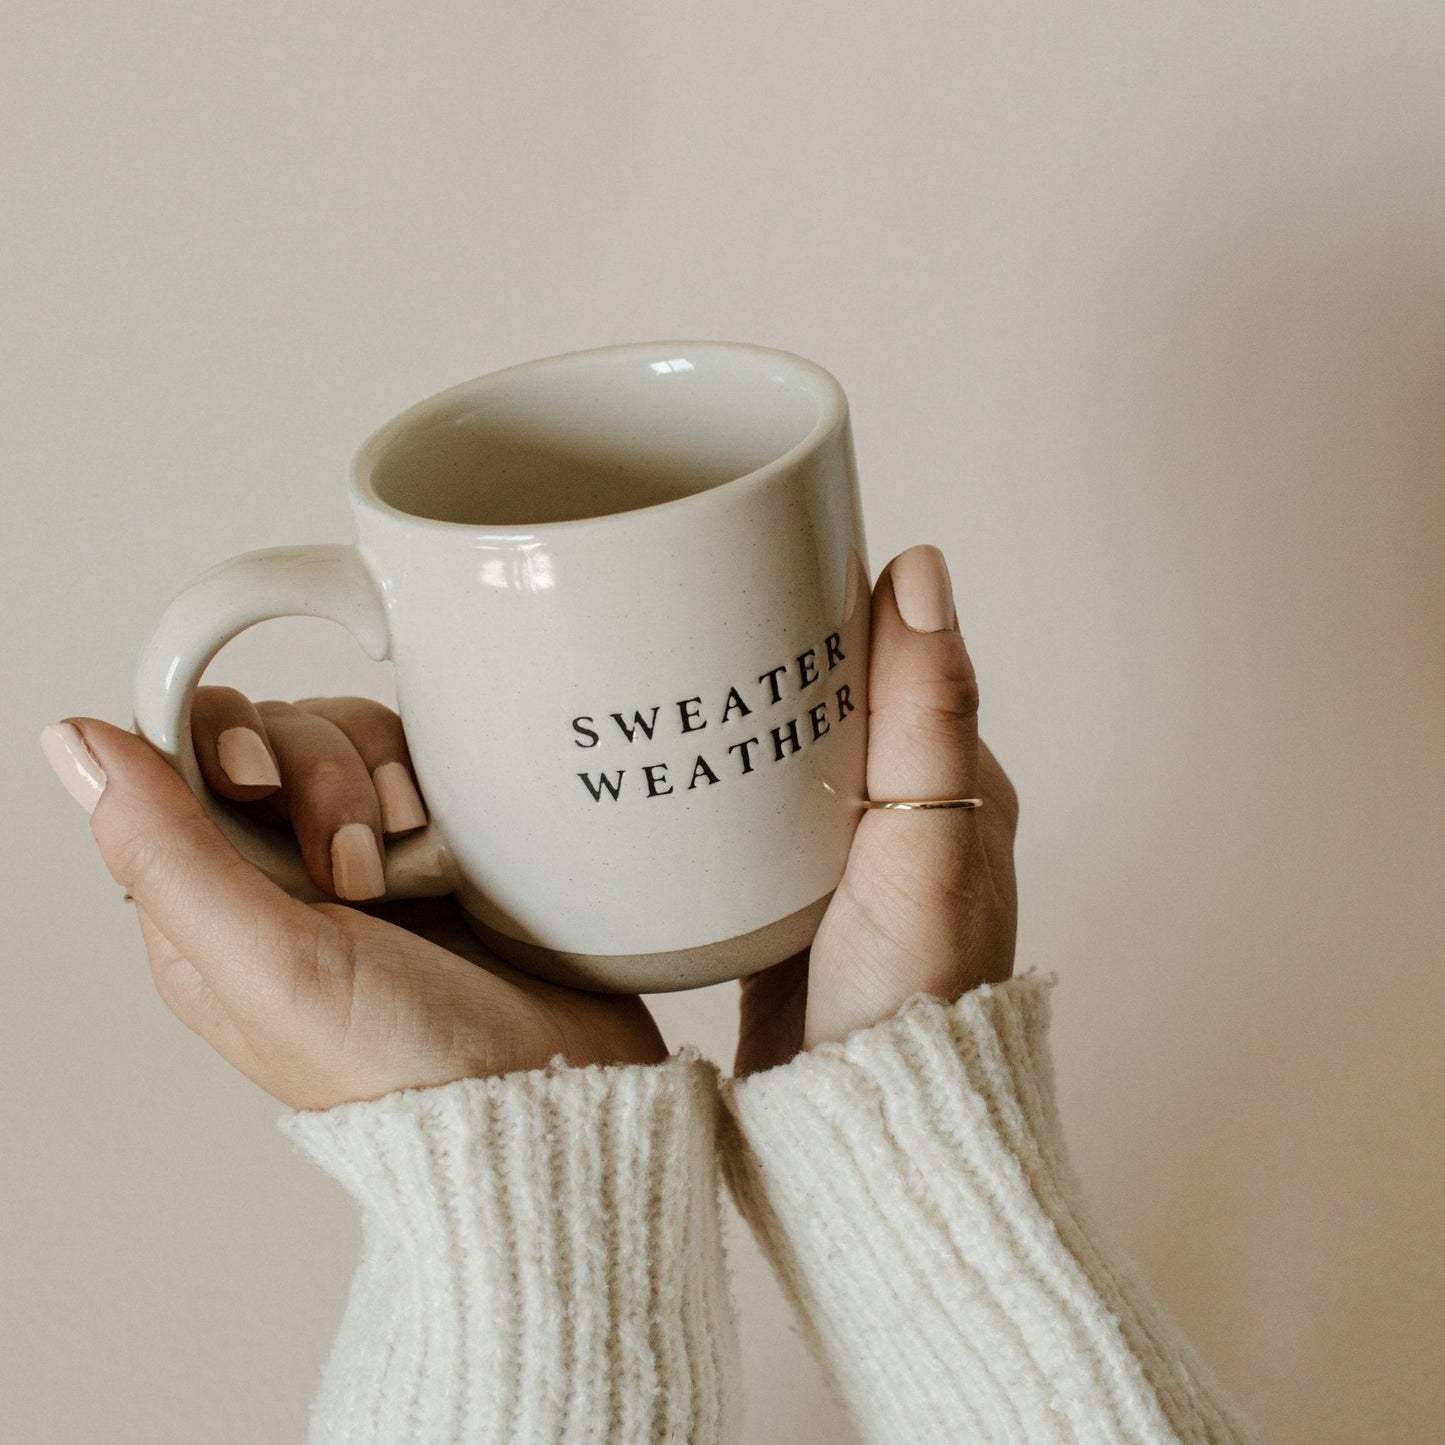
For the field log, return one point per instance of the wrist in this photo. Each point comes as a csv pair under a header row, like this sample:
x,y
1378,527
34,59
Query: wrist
x,y
619,1033
522,1270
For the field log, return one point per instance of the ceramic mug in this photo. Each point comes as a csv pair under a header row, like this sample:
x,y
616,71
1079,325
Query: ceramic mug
x,y
625,593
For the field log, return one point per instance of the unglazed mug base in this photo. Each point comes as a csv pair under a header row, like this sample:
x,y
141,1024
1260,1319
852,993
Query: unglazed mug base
x,y
668,972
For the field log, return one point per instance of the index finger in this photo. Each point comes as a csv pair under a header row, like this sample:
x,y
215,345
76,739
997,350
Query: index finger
x,y
232,748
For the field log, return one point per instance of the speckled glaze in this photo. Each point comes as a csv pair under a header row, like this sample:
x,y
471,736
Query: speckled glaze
x,y
561,559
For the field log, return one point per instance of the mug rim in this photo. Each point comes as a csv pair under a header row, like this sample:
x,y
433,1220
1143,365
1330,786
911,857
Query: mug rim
x,y
832,414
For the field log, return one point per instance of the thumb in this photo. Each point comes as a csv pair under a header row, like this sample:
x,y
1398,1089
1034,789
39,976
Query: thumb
x,y
922,692
242,933
921,876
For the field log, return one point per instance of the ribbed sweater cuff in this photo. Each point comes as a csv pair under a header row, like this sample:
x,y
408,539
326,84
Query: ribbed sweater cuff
x,y
912,1189
541,1261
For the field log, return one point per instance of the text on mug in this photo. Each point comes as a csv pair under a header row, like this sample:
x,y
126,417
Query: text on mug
x,y
775,744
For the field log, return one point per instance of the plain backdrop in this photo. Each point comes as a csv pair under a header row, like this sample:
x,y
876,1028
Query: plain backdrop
x,y
1141,310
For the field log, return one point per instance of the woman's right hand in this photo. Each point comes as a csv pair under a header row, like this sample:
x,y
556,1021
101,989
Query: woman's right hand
x,y
928,903
319,1004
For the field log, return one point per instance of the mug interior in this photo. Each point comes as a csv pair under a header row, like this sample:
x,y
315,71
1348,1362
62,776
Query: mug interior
x,y
593,434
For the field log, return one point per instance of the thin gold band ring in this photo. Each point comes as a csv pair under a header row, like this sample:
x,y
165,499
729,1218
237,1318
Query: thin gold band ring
x,y
923,803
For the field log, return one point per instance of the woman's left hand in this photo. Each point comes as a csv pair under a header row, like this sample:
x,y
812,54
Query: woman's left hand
x,y
319,1004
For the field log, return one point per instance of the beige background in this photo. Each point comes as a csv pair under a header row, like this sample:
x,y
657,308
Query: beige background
x,y
1142,312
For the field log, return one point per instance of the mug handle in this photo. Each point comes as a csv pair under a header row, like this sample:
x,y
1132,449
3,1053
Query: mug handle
x,y
328,581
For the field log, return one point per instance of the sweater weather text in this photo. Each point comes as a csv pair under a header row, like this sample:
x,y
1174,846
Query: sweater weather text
x,y
770,745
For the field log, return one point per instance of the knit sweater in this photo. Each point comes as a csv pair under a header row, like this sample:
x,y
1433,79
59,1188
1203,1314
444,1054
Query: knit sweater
x,y
542,1257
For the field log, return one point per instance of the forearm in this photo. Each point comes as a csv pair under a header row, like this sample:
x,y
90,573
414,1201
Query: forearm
x,y
913,1190
542,1262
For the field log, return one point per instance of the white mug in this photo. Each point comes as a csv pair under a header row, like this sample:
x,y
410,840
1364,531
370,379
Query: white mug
x,y
625,593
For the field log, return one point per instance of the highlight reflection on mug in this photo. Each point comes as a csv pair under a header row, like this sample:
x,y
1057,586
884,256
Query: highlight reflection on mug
x,y
521,567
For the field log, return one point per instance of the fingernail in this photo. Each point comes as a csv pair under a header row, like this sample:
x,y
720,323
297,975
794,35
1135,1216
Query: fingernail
x,y
356,863
923,590
244,759
74,763
401,805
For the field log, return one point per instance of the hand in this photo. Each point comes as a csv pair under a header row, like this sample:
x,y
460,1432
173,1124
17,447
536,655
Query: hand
x,y
928,902
319,1004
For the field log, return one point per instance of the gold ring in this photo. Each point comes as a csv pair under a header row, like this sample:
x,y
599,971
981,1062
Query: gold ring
x,y
923,803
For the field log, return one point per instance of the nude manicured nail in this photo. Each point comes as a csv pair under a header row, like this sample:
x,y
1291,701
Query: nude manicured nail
x,y
401,805
244,759
356,863
923,590
73,763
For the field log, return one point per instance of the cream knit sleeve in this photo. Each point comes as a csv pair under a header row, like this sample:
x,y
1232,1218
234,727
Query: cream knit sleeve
x,y
541,1262
912,1189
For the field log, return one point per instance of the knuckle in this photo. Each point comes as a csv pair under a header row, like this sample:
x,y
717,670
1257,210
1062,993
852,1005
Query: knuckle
x,y
325,963
366,715
321,706
943,695
378,715
329,776
141,857
997,786
221,699
367,707
1002,792
1008,799
132,854
944,703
